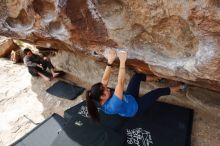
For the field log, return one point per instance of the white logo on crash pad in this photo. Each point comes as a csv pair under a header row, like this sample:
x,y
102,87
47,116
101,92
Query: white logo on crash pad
x,y
139,136
83,111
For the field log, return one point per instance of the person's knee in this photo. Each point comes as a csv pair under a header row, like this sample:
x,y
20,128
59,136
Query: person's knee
x,y
33,71
47,64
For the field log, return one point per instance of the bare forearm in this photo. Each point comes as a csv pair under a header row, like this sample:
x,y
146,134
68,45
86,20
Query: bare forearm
x,y
121,80
106,75
121,73
122,55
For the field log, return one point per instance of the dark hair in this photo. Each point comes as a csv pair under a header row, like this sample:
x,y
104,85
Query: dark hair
x,y
26,50
93,99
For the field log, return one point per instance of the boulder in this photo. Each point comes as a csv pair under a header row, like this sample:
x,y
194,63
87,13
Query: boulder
x,y
6,47
178,40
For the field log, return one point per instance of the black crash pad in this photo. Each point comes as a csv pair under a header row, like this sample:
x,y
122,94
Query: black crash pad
x,y
65,90
111,121
44,134
162,125
56,131
81,131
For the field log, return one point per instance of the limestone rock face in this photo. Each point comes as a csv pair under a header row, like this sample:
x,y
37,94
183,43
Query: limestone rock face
x,y
178,39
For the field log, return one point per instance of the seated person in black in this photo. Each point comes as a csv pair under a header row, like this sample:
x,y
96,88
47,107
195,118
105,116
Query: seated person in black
x,y
37,65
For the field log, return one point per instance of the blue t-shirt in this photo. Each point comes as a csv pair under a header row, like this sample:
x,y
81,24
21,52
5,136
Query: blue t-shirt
x,y
127,107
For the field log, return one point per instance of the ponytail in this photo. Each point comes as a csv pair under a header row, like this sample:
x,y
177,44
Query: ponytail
x,y
92,108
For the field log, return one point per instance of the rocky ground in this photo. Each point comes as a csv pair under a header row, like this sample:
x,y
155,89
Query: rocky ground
x,y
24,103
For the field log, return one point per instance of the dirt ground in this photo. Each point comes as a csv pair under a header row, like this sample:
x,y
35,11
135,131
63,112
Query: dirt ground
x,y
24,102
